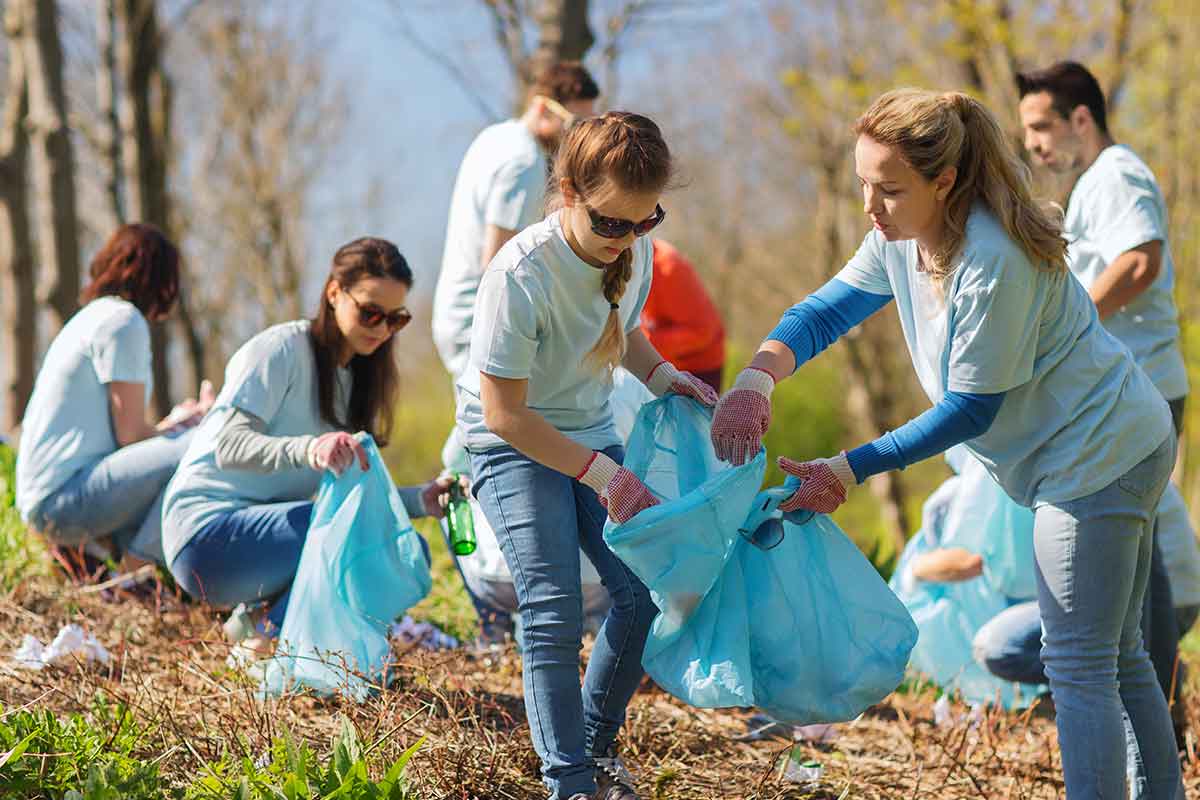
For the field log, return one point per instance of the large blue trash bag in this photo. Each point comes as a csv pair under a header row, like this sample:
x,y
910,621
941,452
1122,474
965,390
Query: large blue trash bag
x,y
362,567
807,631
949,615
989,522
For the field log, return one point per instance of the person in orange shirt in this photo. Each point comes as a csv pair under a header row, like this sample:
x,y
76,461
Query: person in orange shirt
x,y
680,319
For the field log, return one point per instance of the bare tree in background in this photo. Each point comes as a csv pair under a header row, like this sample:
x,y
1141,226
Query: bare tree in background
x,y
52,158
16,249
272,115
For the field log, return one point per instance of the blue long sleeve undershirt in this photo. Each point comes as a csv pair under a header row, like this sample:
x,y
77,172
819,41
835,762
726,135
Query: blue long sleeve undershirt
x,y
809,327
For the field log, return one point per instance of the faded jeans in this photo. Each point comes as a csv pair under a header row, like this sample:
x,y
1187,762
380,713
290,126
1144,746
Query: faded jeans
x,y
1093,564
120,495
541,519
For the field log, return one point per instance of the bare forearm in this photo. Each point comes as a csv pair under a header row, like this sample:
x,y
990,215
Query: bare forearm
x,y
776,358
1129,275
947,565
640,355
530,433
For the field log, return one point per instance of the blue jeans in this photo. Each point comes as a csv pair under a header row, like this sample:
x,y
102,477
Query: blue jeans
x,y
120,495
541,519
248,556
1093,565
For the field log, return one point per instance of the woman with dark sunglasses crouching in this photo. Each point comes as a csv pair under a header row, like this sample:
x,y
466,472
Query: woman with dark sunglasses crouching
x,y
236,514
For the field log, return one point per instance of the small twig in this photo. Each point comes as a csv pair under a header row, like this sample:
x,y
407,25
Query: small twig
x,y
136,576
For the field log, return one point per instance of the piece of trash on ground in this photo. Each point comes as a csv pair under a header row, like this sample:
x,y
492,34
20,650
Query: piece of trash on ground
x,y
72,642
410,632
944,716
796,768
821,732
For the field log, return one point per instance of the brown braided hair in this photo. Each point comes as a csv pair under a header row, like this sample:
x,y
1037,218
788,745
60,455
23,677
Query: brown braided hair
x,y
623,151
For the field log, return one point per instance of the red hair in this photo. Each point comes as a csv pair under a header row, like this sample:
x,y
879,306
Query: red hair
x,y
138,263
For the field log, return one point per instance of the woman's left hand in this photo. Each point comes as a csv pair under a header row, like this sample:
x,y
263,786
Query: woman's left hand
x,y
665,378
824,486
435,495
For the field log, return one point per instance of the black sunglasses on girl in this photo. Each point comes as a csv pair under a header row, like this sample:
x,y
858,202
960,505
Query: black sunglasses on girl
x,y
616,228
371,315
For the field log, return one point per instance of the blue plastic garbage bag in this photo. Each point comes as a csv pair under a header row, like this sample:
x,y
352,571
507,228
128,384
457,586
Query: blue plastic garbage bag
x,y
807,631
362,567
948,615
988,522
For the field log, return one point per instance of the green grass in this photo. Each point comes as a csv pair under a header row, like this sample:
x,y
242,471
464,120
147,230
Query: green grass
x,y
21,555
106,755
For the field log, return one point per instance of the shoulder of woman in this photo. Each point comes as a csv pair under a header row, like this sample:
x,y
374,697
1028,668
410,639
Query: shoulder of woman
x,y
116,315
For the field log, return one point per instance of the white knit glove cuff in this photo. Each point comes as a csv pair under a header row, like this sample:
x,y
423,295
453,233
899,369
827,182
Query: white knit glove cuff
x,y
661,378
841,467
756,380
599,473
308,453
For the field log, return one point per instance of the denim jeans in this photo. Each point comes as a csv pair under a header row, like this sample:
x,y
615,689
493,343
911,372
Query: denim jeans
x,y
1093,565
248,556
541,519
120,495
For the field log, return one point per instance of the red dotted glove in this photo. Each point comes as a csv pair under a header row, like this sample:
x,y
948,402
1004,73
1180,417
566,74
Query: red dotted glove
x,y
620,491
742,416
665,378
825,483
335,452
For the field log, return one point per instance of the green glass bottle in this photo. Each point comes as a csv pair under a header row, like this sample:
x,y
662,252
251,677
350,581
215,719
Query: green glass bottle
x,y
459,521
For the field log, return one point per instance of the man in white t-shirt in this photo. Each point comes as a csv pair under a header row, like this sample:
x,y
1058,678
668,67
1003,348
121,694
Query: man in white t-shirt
x,y
1116,226
500,189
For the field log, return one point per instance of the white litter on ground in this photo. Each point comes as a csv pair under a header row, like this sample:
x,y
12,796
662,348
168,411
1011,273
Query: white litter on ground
x,y
944,716
72,642
821,732
410,632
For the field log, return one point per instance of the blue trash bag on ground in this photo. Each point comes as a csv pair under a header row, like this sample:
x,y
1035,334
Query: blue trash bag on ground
x,y
985,520
948,615
806,631
362,567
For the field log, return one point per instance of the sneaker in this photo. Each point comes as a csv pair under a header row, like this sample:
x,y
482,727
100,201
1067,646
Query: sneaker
x,y
613,780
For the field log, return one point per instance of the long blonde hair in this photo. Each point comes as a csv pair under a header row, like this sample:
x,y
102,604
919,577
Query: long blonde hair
x,y
627,152
934,131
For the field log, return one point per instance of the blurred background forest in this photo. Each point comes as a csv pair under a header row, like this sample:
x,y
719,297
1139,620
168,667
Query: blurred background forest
x,y
261,135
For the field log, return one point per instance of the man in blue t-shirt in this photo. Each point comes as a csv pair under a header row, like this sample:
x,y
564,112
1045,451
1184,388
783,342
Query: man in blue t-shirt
x,y
1116,226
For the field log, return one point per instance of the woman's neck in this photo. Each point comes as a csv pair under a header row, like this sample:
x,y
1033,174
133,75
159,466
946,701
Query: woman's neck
x,y
345,355
929,241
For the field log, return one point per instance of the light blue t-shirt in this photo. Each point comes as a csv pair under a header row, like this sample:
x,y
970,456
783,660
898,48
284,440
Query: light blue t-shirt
x,y
1077,414
68,423
501,182
539,312
273,376
1116,205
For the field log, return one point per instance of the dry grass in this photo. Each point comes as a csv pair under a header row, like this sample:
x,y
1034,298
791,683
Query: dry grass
x,y
169,668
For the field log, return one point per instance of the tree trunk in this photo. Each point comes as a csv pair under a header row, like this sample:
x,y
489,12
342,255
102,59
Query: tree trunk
x,y
144,174
107,141
52,159
563,34
16,257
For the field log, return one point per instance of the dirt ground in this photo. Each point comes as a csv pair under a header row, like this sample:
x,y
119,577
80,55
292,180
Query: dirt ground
x,y
169,667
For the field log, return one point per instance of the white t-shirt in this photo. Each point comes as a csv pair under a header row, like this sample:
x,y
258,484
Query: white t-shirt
x,y
1181,554
1077,414
273,376
501,182
1115,206
68,424
539,312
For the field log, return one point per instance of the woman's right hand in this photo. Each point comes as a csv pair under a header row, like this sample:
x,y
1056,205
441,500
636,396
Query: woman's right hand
x,y
742,416
620,491
336,451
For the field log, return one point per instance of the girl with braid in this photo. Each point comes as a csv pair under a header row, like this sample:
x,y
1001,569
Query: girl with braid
x,y
557,311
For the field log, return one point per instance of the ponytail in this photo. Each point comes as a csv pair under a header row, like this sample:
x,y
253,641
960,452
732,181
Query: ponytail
x,y
936,131
609,350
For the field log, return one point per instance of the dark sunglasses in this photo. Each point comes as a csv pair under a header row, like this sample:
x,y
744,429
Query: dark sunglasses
x,y
616,228
371,315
